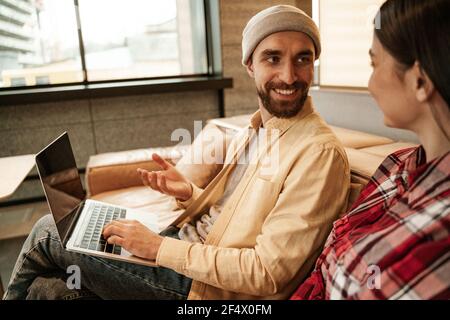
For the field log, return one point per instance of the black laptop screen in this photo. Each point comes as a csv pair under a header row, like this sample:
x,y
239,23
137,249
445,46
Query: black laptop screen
x,y
61,181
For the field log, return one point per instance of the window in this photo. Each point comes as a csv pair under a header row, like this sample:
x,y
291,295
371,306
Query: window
x,y
346,28
65,41
142,38
38,39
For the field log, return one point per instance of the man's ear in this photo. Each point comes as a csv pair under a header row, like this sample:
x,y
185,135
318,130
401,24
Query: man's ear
x,y
423,86
249,68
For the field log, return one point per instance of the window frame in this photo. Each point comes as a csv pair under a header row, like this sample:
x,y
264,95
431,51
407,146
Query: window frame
x,y
212,79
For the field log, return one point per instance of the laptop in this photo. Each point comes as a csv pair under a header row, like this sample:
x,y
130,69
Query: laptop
x,y
80,221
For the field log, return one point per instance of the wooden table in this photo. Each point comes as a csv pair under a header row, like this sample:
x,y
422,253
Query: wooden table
x,y
13,170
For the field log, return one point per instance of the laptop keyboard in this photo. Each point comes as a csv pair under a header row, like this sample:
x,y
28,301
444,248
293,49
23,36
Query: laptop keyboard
x,y
101,215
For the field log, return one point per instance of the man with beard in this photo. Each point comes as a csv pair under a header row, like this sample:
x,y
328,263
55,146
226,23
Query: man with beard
x,y
256,230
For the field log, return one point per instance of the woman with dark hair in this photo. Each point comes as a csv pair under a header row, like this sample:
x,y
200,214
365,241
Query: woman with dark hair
x,y
395,241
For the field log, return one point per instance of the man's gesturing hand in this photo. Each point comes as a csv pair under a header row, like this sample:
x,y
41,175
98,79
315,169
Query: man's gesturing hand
x,y
134,237
168,181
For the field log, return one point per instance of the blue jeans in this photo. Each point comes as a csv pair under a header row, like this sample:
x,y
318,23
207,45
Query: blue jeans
x,y
41,273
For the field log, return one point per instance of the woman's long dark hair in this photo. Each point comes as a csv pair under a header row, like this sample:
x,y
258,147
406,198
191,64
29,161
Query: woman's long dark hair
x,y
419,30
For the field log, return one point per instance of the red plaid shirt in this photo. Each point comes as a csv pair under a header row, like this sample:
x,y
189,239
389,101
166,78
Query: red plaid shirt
x,y
395,241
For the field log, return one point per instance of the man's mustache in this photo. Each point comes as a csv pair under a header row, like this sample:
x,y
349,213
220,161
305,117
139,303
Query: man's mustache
x,y
284,86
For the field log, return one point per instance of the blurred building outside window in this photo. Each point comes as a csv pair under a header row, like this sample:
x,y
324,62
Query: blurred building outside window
x,y
133,39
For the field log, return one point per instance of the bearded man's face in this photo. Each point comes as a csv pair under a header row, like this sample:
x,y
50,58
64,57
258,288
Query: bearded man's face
x,y
283,68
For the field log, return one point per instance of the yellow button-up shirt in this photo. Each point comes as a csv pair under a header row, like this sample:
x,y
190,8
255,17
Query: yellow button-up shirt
x,y
272,228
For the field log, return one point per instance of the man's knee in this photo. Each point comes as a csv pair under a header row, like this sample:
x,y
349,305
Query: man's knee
x,y
44,227
45,222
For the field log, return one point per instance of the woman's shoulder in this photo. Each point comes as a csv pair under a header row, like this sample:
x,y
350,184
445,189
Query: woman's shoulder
x,y
394,164
382,181
394,161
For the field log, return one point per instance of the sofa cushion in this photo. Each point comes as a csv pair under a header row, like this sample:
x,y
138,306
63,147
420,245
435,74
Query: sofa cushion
x,y
135,156
118,170
357,139
363,164
205,157
387,149
362,167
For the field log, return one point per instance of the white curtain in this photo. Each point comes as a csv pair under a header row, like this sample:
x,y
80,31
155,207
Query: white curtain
x,y
346,28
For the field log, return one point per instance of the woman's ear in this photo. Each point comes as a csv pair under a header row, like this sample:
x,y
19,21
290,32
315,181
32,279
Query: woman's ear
x,y
423,86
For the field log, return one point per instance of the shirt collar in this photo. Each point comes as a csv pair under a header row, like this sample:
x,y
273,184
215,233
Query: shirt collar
x,y
416,164
282,124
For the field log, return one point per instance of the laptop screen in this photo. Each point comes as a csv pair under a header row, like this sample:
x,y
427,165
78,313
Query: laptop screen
x,y
61,181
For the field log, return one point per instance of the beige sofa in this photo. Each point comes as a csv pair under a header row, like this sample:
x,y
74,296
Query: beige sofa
x,y
112,177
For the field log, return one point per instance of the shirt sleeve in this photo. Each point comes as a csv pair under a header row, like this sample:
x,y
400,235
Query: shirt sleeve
x,y
314,193
196,192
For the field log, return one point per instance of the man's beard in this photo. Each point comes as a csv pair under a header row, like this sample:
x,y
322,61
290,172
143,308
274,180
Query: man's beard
x,y
284,109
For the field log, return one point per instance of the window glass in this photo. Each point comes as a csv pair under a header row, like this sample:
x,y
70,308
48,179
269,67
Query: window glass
x,y
38,43
142,38
346,28
133,39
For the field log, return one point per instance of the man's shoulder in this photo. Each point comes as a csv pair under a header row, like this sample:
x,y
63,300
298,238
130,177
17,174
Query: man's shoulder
x,y
315,134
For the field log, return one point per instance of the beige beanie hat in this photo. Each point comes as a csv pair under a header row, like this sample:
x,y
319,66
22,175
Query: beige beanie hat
x,y
277,19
